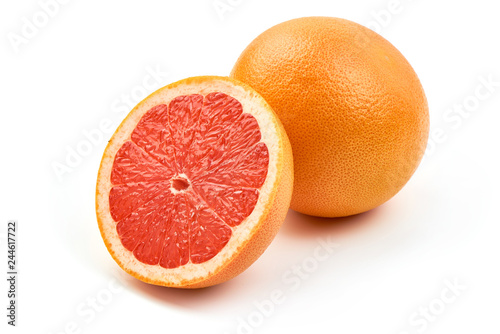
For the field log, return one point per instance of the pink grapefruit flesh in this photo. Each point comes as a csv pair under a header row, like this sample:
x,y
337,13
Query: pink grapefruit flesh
x,y
190,173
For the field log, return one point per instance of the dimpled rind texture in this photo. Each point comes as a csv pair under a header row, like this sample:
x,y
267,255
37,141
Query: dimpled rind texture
x,y
353,108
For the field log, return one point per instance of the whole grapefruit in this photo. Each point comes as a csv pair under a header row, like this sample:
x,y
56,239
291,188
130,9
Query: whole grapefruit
x,y
351,104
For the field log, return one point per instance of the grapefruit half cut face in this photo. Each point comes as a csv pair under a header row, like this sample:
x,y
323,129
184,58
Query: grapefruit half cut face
x,y
194,184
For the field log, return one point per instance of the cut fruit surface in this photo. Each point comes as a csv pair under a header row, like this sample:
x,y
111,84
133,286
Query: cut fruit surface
x,y
194,184
192,170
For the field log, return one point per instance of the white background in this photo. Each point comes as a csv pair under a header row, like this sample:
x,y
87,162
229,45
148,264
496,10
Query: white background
x,y
389,265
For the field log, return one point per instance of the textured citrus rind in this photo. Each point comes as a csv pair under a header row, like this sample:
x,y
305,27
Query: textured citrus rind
x,y
353,108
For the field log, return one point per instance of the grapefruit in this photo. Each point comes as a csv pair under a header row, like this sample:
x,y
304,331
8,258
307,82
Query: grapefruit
x,y
194,184
352,106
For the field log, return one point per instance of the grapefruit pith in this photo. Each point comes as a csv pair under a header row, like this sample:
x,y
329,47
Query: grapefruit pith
x,y
194,184
351,104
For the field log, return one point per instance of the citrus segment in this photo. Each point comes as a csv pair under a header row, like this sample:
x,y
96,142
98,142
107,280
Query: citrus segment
x,y
153,136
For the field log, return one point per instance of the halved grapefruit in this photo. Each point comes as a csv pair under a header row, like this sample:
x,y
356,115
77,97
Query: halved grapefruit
x,y
194,184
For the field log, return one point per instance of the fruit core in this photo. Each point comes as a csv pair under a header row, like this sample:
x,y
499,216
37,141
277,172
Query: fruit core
x,y
179,183
190,173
